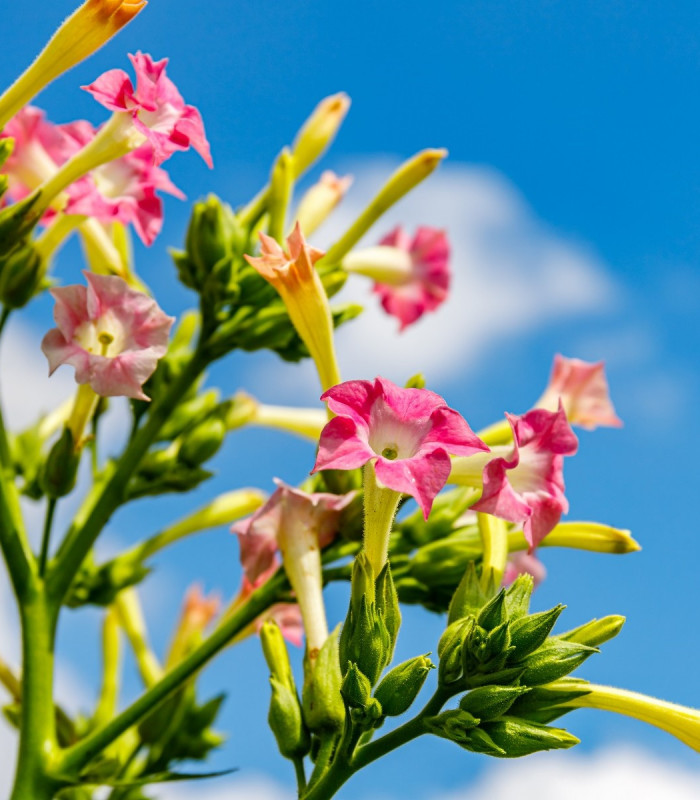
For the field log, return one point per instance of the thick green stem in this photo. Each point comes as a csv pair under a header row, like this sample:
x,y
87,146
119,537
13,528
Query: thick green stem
x,y
37,744
80,539
76,757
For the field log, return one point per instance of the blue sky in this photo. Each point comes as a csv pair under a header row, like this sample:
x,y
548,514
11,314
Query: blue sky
x,y
572,196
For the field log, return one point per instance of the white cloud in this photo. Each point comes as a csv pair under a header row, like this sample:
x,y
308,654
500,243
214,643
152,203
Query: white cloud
x,y
257,788
511,274
610,774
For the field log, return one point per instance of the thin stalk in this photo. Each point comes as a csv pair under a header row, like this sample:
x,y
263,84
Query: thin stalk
x,y
80,539
46,535
300,774
76,757
323,759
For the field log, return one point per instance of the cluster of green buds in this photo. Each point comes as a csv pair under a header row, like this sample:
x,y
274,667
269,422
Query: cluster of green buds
x,y
505,658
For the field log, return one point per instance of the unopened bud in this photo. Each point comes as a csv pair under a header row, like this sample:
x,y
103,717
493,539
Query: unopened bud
x,y
286,723
319,130
468,598
449,649
400,687
489,702
320,200
356,688
518,596
388,609
517,737
61,467
494,612
555,659
529,633
276,654
21,272
202,443
455,725
322,703
595,632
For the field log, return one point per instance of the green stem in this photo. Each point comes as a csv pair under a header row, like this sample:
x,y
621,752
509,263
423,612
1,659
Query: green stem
x,y
37,744
323,758
80,539
300,773
76,757
46,536
342,769
4,316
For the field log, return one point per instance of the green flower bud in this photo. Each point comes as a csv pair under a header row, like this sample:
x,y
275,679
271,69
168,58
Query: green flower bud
x,y
494,612
322,703
61,468
469,597
400,687
518,596
209,236
518,737
555,659
388,609
286,723
500,677
452,641
200,444
16,221
545,703
6,148
356,688
455,725
595,632
276,655
489,702
371,716
529,633
21,273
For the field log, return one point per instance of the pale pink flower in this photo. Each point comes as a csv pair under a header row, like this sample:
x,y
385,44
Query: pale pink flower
x,y
407,433
521,563
525,484
288,512
411,276
583,390
113,335
299,525
40,147
124,191
156,106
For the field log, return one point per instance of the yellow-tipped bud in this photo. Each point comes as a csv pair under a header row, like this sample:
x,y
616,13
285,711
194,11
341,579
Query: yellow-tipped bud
x,y
319,130
406,177
582,536
85,31
320,200
679,721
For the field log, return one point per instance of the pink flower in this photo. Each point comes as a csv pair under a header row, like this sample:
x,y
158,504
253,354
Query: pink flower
x,y
526,486
113,335
125,191
411,276
521,563
297,524
288,512
40,148
407,433
583,390
156,106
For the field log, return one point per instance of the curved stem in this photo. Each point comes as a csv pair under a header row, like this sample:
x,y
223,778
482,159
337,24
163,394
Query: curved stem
x,y
46,536
81,538
76,757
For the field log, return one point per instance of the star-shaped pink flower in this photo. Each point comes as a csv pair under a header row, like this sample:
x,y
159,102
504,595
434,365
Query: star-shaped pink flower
x,y
156,106
113,335
583,390
526,486
426,282
407,433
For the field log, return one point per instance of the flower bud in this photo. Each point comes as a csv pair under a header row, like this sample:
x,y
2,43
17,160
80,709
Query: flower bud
x,y
449,649
16,221
320,200
388,609
517,737
276,655
61,467
555,659
400,687
356,688
468,598
322,703
21,273
595,632
518,596
200,444
489,702
494,612
371,716
286,723
318,131
529,633
455,725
